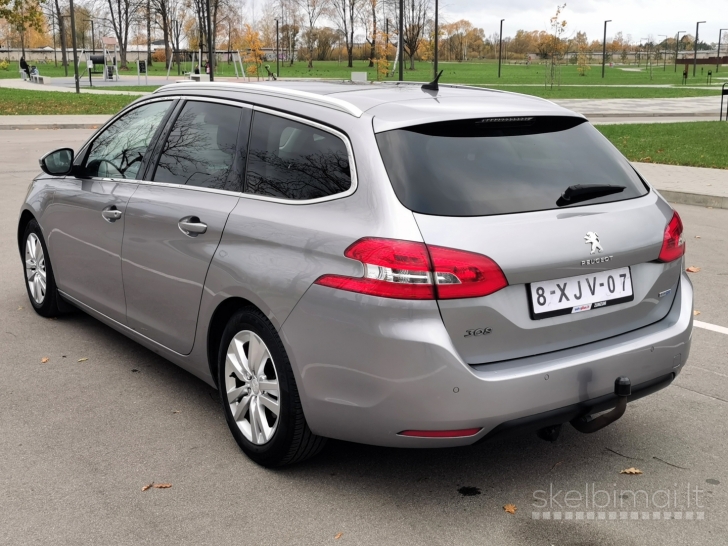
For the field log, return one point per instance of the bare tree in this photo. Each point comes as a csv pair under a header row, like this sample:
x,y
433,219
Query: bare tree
x,y
415,17
123,14
313,10
344,13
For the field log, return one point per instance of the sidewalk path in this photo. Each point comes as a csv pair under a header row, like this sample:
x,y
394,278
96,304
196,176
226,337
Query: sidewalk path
x,y
683,107
14,123
688,185
28,86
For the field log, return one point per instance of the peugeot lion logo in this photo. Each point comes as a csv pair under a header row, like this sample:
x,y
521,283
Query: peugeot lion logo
x,y
591,238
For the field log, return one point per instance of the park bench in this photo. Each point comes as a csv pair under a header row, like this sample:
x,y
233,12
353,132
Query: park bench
x,y
37,78
200,77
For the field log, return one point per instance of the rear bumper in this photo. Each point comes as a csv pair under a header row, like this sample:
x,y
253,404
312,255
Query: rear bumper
x,y
368,368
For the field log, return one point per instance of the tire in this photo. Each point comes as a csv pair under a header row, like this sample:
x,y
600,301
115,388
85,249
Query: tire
x,y
255,379
39,281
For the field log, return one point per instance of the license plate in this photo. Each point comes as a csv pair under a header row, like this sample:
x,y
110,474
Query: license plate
x,y
581,293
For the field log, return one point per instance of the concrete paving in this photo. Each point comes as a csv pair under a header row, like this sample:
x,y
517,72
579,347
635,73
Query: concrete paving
x,y
28,86
682,107
688,185
78,440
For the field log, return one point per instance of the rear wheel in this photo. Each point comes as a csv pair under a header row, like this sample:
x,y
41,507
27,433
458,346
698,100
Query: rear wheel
x,y
259,394
39,281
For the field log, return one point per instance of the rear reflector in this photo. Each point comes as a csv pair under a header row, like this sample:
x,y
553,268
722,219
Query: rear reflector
x,y
673,244
411,270
463,433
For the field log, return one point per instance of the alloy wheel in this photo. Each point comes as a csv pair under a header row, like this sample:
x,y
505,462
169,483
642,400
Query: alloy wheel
x,y
251,385
35,268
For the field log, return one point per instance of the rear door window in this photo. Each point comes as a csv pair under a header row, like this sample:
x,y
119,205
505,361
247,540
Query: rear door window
x,y
292,160
481,167
200,149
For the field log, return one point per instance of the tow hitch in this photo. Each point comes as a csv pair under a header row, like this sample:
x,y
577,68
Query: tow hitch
x,y
588,424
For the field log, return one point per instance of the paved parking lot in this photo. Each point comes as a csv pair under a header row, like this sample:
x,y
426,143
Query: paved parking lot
x,y
78,440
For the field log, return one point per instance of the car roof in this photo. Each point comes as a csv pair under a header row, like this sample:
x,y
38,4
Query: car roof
x,y
391,104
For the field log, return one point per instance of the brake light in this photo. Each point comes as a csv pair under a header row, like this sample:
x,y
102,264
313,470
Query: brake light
x,y
411,270
673,244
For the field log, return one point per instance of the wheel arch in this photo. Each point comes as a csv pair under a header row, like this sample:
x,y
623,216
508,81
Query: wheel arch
x,y
219,320
25,217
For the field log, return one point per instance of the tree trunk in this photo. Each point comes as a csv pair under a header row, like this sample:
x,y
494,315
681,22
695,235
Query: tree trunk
x,y
62,32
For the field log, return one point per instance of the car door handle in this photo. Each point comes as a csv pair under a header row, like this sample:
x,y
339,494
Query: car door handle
x,y
111,214
192,226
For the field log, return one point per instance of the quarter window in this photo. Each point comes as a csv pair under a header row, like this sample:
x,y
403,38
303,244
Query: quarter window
x,y
200,149
118,151
291,160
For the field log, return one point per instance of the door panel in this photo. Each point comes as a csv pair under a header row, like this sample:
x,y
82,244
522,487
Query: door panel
x,y
164,268
86,247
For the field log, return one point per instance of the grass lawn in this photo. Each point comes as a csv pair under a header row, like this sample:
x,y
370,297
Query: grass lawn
x,y
144,88
694,144
20,102
607,92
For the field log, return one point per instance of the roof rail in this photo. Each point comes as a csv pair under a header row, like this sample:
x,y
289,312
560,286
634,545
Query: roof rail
x,y
273,91
449,85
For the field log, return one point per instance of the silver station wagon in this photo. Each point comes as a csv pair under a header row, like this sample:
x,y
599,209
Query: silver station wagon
x,y
391,264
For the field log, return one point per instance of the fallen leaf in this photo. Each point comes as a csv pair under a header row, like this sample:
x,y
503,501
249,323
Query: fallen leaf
x,y
631,470
148,486
510,508
82,359
175,411
44,360
696,313
19,308
162,485
697,236
692,269
338,536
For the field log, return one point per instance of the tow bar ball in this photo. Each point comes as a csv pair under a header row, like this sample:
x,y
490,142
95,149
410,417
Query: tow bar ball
x,y
588,424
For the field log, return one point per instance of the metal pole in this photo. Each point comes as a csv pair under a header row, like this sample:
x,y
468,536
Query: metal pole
x,y
500,47
604,45
437,30
75,49
210,50
278,56
93,38
664,51
717,63
695,47
400,40
677,46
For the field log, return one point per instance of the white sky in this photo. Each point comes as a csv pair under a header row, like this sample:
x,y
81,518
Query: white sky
x,y
640,18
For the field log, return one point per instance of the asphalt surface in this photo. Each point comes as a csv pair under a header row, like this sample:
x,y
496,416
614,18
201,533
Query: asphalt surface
x,y
79,440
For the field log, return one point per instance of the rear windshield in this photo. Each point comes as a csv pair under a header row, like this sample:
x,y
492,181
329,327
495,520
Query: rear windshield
x,y
481,167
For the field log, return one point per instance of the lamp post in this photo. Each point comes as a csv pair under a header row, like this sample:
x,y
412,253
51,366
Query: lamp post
x,y
677,45
278,56
93,40
604,46
400,40
664,51
695,47
717,63
500,47
437,36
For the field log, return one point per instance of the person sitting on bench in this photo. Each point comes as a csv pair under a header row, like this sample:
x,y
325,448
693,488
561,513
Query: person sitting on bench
x,y
24,66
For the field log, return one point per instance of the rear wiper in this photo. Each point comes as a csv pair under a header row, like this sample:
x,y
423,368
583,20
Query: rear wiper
x,y
584,192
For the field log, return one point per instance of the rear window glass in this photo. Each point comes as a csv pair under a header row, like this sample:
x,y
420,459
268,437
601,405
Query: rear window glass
x,y
292,160
482,167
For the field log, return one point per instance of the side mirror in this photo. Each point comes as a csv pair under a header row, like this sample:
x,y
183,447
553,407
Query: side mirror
x,y
58,162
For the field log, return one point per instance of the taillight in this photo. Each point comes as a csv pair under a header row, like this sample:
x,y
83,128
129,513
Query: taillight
x,y
410,270
673,244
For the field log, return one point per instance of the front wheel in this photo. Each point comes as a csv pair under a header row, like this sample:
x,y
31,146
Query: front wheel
x,y
39,281
259,394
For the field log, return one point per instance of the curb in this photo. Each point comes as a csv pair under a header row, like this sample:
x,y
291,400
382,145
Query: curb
x,y
50,126
700,200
